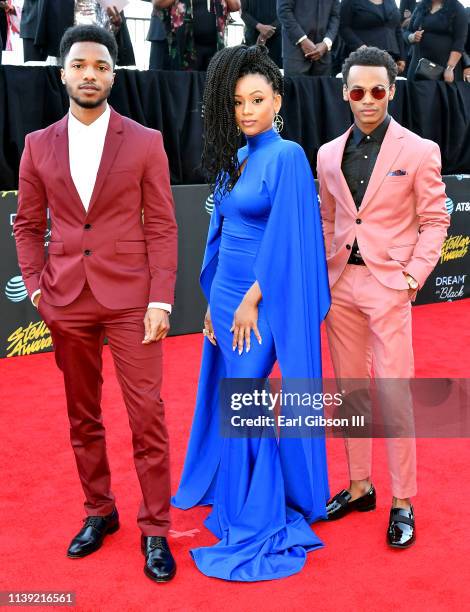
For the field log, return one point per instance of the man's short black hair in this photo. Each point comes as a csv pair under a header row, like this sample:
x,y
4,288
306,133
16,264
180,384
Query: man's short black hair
x,y
88,33
371,56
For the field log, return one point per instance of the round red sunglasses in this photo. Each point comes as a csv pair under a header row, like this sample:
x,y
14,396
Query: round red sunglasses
x,y
378,92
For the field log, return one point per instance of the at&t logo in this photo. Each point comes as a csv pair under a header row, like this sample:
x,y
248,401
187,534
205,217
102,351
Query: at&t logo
x,y
15,289
209,206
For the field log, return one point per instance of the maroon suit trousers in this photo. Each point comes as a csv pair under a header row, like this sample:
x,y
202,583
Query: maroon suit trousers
x,y
78,331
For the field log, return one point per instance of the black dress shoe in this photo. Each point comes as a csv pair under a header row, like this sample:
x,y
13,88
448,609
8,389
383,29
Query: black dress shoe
x,y
159,563
90,537
340,504
401,531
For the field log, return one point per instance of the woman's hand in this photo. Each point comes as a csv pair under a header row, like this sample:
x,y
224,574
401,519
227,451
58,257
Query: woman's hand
x,y
417,36
7,8
208,329
115,17
233,5
466,75
245,320
401,65
266,31
449,75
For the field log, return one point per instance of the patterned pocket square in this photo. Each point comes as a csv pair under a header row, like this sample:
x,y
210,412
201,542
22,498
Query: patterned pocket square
x,y
397,173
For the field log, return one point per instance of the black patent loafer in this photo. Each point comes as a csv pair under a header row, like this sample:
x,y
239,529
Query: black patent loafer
x,y
159,565
90,537
341,505
401,532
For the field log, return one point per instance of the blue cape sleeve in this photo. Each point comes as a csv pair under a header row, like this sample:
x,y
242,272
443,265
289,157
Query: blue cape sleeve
x,y
291,266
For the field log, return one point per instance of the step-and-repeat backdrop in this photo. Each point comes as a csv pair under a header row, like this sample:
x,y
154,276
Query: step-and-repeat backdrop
x,y
23,333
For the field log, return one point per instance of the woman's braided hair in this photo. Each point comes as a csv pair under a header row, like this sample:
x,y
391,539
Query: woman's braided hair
x,y
221,136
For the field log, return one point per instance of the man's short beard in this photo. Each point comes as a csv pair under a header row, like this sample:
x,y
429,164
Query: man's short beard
x,y
88,103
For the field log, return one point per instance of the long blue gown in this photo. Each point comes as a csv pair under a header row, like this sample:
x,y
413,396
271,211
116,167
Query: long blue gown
x,y
265,492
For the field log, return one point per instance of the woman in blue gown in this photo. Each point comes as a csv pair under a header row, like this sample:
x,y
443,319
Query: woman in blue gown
x,y
265,279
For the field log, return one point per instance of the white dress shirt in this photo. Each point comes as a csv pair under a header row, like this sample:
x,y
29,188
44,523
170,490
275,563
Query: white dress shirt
x,y
86,143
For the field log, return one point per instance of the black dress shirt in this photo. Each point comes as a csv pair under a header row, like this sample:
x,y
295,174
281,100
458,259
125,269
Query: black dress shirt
x,y
359,157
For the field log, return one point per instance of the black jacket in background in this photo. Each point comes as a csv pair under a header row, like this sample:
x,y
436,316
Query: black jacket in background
x,y
365,23
259,11
315,18
29,19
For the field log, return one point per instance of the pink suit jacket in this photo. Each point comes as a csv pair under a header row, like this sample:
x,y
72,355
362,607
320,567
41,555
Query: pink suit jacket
x,y
125,246
402,222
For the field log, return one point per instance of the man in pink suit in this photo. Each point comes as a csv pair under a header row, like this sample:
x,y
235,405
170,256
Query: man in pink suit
x,y
110,271
384,220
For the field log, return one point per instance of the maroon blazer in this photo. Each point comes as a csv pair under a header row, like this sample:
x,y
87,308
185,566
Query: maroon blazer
x,y
125,246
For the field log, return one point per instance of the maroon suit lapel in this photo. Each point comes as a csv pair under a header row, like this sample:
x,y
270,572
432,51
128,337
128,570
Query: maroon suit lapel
x,y
112,144
61,149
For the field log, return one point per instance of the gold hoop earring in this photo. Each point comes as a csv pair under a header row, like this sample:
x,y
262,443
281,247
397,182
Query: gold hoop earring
x,y
278,123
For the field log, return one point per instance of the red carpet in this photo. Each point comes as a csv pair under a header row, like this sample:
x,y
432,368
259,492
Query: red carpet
x,y
41,502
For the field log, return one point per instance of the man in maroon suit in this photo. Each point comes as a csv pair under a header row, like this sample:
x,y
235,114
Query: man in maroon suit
x,y
110,271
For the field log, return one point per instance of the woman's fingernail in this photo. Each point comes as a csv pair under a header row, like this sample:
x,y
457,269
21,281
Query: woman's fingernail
x,y
248,350
240,351
233,348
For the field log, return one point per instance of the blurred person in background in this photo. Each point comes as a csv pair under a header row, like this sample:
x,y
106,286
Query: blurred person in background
x,y
466,55
406,9
262,26
195,30
373,23
3,28
159,56
438,32
309,29
9,23
56,16
28,29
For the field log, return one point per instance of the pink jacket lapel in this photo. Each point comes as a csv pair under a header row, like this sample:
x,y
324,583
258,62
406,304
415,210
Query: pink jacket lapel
x,y
389,151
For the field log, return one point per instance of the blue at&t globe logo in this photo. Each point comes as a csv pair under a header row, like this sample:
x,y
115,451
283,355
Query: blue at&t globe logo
x,y
15,289
449,206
